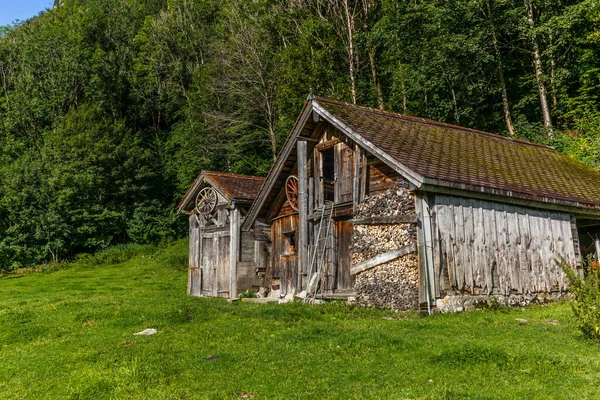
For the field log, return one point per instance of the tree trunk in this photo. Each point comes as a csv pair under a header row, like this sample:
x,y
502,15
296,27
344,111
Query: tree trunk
x,y
505,105
351,55
375,77
366,7
552,77
539,71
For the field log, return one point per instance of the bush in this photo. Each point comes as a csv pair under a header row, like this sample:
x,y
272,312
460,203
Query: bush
x,y
586,304
248,294
115,254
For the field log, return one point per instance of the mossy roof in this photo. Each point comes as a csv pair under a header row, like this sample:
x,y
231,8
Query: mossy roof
x,y
463,156
233,186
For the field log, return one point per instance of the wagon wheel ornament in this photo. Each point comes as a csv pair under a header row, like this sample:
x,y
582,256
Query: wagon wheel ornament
x,y
206,201
291,191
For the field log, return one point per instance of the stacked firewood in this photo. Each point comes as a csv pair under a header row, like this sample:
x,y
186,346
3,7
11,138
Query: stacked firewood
x,y
394,284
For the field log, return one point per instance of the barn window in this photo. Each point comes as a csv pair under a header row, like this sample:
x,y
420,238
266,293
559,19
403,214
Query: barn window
x,y
328,174
291,237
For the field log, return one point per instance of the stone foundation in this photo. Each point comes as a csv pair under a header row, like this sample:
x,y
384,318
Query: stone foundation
x,y
459,303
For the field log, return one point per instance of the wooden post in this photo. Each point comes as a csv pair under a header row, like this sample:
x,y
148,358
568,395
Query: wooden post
x,y
302,211
356,184
425,247
234,243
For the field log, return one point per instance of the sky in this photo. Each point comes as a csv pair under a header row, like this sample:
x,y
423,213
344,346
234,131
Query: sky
x,y
11,10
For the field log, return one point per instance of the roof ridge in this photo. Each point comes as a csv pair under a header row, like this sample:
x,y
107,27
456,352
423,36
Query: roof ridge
x,y
233,174
427,121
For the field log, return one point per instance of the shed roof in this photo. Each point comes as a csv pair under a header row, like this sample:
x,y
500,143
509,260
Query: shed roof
x,y
233,187
437,151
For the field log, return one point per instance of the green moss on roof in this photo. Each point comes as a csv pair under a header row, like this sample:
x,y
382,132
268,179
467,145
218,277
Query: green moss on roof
x,y
465,156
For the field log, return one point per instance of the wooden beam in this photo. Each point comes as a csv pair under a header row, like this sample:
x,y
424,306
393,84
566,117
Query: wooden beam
x,y
356,177
328,144
385,220
424,239
503,196
234,246
302,210
382,258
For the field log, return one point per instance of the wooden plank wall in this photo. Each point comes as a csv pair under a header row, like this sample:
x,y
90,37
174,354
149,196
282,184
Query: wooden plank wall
x,y
381,177
344,234
281,249
195,273
223,265
483,247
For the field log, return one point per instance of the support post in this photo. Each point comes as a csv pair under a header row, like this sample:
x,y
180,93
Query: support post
x,y
302,211
356,183
234,243
425,247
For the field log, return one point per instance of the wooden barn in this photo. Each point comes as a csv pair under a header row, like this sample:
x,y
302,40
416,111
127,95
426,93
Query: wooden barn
x,y
403,212
222,258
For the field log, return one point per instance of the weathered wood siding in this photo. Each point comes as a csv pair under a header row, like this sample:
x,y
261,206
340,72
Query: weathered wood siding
x,y
284,260
344,172
380,176
194,272
483,247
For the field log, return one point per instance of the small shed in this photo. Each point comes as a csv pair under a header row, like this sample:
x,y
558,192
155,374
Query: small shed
x,y
403,212
222,259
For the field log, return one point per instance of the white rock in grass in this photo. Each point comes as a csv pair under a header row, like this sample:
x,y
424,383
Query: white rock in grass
x,y
147,332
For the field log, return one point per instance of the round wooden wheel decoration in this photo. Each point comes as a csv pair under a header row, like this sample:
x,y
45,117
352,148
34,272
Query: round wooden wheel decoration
x,y
206,200
291,191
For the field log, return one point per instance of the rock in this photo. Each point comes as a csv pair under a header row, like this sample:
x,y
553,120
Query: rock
x,y
147,332
522,321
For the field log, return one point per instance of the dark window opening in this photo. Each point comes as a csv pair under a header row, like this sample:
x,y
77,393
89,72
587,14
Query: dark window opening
x,y
291,237
328,159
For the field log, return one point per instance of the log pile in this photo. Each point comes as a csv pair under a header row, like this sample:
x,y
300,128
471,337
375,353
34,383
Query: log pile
x,y
392,285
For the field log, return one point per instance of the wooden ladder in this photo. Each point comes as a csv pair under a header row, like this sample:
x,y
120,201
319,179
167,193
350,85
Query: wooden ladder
x,y
319,252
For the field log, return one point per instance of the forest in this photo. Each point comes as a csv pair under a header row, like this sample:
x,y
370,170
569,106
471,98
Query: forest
x,y
110,108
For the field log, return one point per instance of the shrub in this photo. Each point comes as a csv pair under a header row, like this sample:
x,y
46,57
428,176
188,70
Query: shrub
x,y
586,304
247,294
115,254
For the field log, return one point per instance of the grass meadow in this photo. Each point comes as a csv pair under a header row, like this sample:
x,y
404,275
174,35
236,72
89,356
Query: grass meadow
x,y
67,333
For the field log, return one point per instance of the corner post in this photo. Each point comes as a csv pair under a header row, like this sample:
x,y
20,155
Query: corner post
x,y
425,251
234,242
302,210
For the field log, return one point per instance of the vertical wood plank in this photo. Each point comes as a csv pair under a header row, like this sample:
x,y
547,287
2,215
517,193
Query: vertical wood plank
x,y
302,263
459,246
356,184
234,245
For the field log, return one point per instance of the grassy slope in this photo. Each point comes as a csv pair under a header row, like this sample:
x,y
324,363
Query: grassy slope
x,y
68,334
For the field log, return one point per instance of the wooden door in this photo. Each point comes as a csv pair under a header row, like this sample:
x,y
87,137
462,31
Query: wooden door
x,y
222,266
208,266
289,273
195,273
344,173
344,236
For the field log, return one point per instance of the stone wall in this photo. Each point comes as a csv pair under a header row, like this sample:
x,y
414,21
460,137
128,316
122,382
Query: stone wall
x,y
392,285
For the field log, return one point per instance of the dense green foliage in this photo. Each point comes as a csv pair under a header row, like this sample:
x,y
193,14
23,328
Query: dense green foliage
x,y
110,108
68,334
586,302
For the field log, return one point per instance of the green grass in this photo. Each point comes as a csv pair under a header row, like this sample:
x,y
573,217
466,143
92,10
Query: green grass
x,y
68,333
